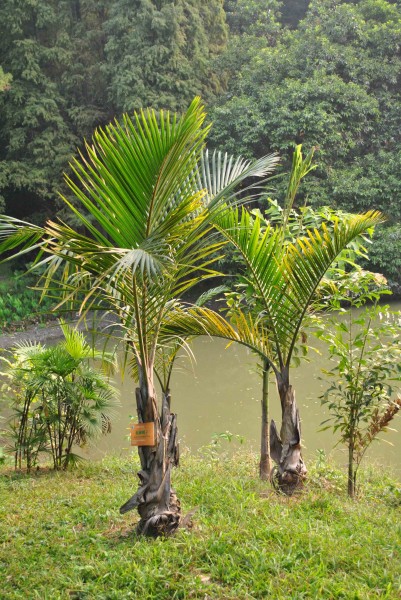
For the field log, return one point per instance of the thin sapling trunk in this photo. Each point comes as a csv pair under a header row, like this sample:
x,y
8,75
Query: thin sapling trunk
x,y
265,462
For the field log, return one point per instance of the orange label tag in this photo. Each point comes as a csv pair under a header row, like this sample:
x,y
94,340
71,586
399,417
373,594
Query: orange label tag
x,y
143,434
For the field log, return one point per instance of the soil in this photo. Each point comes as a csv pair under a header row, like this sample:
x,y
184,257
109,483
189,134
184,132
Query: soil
x,y
33,333
43,333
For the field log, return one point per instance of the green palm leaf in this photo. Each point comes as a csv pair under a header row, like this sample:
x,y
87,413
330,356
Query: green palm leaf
x,y
285,277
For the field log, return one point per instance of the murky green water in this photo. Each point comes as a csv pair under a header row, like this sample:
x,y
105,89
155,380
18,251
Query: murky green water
x,y
221,392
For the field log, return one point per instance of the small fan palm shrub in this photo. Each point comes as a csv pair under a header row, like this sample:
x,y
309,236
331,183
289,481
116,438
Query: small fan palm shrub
x,y
58,400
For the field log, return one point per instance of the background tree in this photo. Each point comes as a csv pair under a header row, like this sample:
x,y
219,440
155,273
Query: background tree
x,y
332,82
54,100
77,64
159,54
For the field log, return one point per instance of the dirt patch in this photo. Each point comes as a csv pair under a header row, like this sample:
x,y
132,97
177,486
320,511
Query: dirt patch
x,y
44,334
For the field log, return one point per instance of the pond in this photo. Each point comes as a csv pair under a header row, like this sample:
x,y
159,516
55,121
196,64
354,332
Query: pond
x,y
221,391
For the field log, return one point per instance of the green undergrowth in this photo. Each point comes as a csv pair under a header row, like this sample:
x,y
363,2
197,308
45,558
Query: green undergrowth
x,y
20,304
61,535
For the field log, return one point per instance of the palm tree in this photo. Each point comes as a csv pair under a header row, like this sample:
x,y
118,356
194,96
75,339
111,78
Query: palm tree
x,y
284,278
145,193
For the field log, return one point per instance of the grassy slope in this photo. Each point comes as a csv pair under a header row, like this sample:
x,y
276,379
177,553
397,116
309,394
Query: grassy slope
x,y
61,536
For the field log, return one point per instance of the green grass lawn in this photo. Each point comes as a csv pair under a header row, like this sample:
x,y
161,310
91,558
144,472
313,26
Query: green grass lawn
x,y
61,536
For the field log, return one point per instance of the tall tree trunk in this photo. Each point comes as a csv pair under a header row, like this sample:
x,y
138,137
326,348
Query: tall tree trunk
x,y
156,501
265,463
286,447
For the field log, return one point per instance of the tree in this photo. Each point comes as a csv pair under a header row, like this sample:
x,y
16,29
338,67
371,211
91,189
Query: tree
x,y
160,53
53,51
366,347
285,280
333,83
77,64
280,281
150,193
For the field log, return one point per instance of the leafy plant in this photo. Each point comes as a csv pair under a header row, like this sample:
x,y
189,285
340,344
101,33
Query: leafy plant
x,y
366,347
19,301
59,399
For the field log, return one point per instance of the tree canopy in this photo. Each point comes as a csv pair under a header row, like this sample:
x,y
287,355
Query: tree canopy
x,y
331,81
75,65
324,73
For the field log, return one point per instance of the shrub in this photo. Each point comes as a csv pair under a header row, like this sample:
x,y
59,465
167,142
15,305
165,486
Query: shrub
x,y
58,399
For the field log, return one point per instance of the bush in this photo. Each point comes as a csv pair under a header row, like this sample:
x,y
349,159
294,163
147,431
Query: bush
x,y
58,400
385,256
20,304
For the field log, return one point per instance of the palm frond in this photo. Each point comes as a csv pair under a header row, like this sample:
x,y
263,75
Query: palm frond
x,y
221,175
15,233
285,277
193,321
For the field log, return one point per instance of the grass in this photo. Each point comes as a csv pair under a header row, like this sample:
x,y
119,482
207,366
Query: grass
x,y
61,536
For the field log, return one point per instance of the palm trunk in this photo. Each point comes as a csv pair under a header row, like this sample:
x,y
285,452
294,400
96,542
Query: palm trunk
x,y
265,463
157,503
286,447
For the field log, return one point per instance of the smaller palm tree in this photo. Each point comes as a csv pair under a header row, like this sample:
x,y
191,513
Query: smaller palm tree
x,y
284,277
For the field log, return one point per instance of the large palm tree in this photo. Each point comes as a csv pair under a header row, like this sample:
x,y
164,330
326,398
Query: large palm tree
x,y
283,276
145,192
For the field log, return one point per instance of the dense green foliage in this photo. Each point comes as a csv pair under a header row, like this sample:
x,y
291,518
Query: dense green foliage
x,y
57,399
331,82
276,73
77,64
20,302
61,536
159,54
5,79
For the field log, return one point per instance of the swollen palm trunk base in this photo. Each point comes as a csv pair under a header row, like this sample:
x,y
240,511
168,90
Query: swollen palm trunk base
x,y
286,448
157,503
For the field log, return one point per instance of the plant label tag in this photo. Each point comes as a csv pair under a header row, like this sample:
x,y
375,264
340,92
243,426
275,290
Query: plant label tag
x,y
143,434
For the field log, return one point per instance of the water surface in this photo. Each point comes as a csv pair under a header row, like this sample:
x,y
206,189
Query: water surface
x,y
221,392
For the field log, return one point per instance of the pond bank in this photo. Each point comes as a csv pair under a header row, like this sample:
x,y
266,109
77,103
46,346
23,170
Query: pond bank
x,y
43,333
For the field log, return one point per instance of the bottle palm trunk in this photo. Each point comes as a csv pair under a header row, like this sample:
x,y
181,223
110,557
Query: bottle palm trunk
x,y
286,447
156,501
